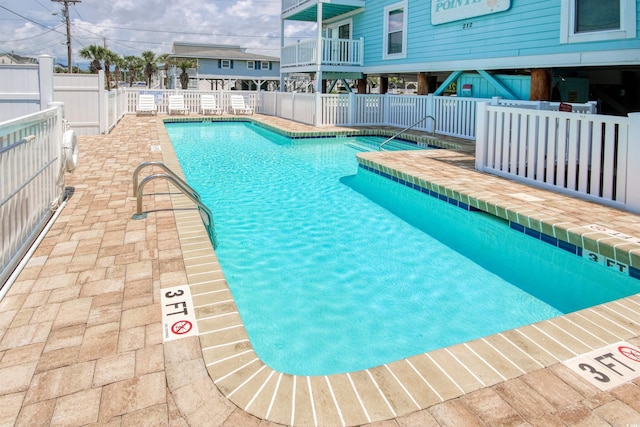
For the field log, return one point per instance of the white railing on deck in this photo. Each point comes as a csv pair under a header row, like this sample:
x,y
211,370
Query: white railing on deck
x,y
334,52
586,155
31,181
290,4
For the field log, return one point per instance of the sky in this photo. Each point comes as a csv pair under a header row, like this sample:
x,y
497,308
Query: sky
x,y
129,27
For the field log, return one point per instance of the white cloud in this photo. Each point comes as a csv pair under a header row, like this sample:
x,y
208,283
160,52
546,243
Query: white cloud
x,y
129,27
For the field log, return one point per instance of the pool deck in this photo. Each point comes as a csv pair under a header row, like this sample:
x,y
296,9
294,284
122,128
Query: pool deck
x,y
81,336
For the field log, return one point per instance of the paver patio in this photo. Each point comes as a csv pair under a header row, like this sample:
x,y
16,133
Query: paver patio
x,y
80,329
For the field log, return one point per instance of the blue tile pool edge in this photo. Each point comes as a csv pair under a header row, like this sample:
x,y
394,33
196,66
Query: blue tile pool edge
x,y
467,203
423,141
445,194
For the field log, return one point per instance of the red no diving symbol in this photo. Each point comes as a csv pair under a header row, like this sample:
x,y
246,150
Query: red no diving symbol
x,y
181,327
630,353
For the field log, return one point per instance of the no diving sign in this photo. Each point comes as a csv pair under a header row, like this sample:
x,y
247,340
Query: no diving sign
x,y
609,366
178,317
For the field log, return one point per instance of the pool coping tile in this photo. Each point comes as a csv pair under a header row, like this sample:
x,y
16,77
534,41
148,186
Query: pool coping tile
x,y
565,235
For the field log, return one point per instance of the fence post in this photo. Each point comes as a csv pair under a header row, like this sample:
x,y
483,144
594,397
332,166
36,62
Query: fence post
x,y
319,112
633,160
482,125
495,100
386,112
431,111
103,110
45,75
352,109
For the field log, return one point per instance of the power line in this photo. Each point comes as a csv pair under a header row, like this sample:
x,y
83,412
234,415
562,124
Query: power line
x,y
30,20
65,12
33,37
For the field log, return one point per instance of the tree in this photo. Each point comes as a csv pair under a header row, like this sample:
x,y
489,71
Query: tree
x,y
150,65
184,65
109,57
119,63
134,64
96,54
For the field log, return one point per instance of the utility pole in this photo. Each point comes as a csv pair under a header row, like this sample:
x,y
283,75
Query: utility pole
x,y
65,12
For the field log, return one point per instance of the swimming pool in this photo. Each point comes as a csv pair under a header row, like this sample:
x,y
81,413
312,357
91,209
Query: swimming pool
x,y
402,282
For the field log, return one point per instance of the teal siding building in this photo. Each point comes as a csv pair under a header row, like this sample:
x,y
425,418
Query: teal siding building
x,y
516,49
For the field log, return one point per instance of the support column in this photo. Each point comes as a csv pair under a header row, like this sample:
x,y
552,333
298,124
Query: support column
x,y
282,89
362,85
423,84
540,84
384,84
320,84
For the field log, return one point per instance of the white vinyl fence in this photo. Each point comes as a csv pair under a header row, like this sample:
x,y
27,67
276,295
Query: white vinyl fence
x,y
586,155
25,89
31,181
445,115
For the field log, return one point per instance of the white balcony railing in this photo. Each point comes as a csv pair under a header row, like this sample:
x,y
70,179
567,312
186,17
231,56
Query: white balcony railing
x,y
334,52
290,4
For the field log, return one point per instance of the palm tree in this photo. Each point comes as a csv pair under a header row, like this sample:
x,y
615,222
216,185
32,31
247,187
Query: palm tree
x,y
184,65
119,63
134,64
109,57
96,54
150,65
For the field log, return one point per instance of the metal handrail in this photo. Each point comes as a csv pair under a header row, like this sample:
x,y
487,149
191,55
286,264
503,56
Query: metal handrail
x,y
138,191
406,129
164,167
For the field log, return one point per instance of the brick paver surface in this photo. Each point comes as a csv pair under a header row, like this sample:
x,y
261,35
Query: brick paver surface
x,y
80,329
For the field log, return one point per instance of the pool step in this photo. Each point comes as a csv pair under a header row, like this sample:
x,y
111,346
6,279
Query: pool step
x,y
373,144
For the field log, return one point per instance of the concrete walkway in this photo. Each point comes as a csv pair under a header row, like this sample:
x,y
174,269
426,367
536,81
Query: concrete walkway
x,y
81,339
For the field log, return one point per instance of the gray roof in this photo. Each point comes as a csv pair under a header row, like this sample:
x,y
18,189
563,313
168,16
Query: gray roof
x,y
216,51
20,59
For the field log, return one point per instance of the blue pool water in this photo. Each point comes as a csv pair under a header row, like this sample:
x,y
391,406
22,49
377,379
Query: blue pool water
x,y
334,268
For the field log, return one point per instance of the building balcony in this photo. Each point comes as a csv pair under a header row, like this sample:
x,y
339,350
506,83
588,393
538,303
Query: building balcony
x,y
307,10
334,52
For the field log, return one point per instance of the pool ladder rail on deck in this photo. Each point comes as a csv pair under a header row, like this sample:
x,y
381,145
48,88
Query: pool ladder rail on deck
x,y
410,127
180,184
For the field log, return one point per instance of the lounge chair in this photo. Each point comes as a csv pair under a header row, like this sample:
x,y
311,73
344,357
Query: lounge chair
x,y
176,104
208,103
238,106
146,104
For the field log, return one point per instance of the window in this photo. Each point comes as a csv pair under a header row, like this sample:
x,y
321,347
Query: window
x,y
225,63
596,20
264,65
395,31
251,65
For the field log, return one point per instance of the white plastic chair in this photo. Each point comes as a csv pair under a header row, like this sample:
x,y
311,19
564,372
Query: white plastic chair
x,y
208,103
238,106
146,104
176,104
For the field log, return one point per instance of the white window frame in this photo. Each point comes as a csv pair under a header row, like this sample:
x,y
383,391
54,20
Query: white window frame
x,y
251,65
568,24
225,63
385,34
264,65
336,26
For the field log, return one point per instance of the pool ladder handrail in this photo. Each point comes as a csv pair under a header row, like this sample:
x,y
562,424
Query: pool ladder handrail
x,y
433,133
180,184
